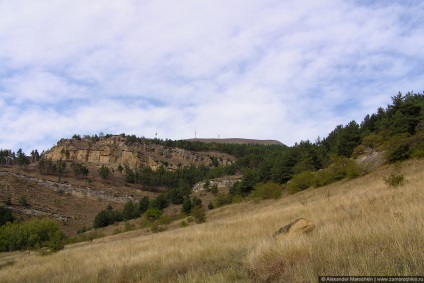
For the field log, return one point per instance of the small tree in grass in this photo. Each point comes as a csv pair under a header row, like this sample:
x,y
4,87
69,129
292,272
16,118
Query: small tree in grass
x,y
199,214
396,178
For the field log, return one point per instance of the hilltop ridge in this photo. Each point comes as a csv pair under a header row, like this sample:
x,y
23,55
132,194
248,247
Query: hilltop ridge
x,y
237,141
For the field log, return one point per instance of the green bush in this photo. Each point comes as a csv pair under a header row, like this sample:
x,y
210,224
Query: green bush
x,y
223,199
5,216
396,178
267,191
199,214
152,214
34,233
301,182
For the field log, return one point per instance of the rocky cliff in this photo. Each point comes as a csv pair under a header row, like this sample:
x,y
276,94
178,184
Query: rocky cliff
x,y
117,150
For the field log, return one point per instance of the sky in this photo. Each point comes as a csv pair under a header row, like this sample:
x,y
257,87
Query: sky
x,y
261,69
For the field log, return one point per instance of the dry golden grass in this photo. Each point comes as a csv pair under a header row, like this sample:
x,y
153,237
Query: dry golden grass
x,y
363,227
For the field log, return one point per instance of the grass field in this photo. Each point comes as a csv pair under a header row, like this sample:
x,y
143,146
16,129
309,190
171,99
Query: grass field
x,y
363,227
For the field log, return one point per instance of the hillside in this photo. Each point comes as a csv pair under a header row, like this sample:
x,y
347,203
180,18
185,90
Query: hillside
x,y
74,201
237,141
362,227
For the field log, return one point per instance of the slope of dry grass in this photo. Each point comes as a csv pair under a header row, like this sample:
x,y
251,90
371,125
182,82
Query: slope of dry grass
x,y
363,227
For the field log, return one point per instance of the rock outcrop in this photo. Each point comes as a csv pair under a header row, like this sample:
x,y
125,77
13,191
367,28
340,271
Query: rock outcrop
x,y
116,150
224,182
300,225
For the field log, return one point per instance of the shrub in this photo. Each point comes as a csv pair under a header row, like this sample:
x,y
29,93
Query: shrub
x,y
23,201
199,214
301,182
223,199
5,216
152,214
34,233
396,178
398,153
267,191
104,172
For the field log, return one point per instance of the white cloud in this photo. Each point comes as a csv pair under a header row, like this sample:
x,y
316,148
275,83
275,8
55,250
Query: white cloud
x,y
259,69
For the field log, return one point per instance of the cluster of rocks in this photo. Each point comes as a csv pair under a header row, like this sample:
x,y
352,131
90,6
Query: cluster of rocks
x,y
220,183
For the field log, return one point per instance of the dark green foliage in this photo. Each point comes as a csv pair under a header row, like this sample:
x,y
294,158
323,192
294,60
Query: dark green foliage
x,y
104,172
31,234
187,205
50,167
243,188
5,157
79,170
152,214
120,168
129,175
160,202
267,191
210,206
21,158
107,217
143,204
301,182
130,211
77,137
5,216
399,148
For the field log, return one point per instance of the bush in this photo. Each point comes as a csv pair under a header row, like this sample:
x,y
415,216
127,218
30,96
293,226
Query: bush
x,y
398,153
152,214
223,199
104,172
34,233
301,182
23,201
199,214
267,191
396,178
5,216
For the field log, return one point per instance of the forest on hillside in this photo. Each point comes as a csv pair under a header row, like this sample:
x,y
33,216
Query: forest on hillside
x,y
397,130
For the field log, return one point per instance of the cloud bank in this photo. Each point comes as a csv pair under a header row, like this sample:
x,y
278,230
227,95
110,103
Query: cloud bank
x,y
284,70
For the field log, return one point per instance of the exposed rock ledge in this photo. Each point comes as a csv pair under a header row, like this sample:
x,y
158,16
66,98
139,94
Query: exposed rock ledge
x,y
224,182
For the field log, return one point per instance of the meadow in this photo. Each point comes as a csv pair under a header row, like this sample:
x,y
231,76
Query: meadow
x,y
362,227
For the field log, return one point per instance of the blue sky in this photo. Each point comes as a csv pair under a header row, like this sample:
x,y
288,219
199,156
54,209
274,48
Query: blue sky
x,y
284,70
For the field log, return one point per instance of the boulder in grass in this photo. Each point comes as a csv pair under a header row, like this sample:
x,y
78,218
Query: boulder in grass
x,y
298,226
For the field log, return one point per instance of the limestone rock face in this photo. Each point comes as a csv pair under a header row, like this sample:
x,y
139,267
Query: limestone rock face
x,y
224,182
116,150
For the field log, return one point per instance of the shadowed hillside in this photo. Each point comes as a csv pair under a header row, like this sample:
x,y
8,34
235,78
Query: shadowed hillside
x,y
362,227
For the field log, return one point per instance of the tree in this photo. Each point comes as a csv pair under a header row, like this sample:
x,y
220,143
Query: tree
x,y
143,204
21,158
104,172
130,211
186,206
5,216
199,214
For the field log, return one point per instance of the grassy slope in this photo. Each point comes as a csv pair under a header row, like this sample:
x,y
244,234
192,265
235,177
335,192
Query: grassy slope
x,y
363,227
